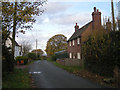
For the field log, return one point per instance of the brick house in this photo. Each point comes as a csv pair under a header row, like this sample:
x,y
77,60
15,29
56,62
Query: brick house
x,y
81,35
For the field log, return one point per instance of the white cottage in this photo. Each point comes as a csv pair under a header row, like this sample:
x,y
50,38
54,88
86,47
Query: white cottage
x,y
18,48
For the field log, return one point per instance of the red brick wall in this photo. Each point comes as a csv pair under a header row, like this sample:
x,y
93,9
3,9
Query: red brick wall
x,y
74,49
96,15
85,35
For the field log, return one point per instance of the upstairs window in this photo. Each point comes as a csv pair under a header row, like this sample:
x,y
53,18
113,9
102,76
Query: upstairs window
x,y
78,40
70,43
73,42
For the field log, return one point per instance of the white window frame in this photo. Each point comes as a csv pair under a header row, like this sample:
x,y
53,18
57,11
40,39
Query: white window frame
x,y
78,40
73,42
70,55
70,43
78,55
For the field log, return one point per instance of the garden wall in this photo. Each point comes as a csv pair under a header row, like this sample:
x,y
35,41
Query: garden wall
x,y
69,62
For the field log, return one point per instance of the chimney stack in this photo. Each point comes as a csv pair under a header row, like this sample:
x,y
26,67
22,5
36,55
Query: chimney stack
x,y
94,9
76,27
96,17
108,25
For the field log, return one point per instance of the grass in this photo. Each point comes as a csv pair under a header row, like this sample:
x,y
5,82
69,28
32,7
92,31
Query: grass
x,y
18,79
79,71
31,62
50,60
71,69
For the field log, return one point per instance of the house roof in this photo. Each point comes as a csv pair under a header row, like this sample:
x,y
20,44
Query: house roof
x,y
60,51
79,31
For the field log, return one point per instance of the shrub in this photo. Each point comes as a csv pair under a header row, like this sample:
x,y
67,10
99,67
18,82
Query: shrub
x,y
32,56
102,54
53,57
44,57
7,61
61,55
19,58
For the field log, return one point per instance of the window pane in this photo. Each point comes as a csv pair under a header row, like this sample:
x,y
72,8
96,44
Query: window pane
x,y
70,55
73,43
70,43
78,40
78,56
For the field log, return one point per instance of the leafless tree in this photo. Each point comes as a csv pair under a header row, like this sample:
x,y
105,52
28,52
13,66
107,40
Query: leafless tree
x,y
26,47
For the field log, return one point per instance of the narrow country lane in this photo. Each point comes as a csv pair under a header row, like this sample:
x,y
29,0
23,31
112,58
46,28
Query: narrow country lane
x,y
47,75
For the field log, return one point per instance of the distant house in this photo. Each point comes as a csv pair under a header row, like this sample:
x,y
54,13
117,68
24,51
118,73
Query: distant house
x,y
18,48
81,35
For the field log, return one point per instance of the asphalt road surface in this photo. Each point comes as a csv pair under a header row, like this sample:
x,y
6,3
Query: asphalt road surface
x,y
47,75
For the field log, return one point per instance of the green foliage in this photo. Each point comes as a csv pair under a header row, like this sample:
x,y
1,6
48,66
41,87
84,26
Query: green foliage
x,y
30,62
19,16
38,53
32,56
25,13
19,58
55,44
61,55
7,62
71,69
52,58
44,57
18,79
102,53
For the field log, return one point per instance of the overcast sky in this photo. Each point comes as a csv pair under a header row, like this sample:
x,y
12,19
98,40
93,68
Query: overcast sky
x,y
60,18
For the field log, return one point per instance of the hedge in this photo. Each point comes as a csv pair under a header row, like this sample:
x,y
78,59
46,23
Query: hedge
x,y
102,55
19,58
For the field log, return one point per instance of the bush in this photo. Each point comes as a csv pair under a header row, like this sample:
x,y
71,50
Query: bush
x,y
52,58
32,56
7,61
19,58
61,55
44,57
102,54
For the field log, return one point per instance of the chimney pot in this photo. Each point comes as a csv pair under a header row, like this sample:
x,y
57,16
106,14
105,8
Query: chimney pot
x,y
76,27
76,24
97,10
96,17
94,9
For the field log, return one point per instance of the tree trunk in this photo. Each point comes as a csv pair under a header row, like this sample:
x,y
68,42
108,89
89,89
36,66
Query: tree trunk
x,y
13,36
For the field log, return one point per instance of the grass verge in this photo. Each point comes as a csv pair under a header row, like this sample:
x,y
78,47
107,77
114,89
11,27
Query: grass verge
x,y
31,62
80,71
18,79
71,69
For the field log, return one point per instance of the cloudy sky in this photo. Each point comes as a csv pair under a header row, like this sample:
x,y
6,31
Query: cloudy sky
x,y
60,18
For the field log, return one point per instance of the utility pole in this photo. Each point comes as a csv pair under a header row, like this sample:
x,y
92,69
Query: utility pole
x,y
36,44
113,18
36,47
118,15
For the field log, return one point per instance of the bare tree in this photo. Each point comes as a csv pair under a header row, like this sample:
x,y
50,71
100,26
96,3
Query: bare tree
x,y
26,47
